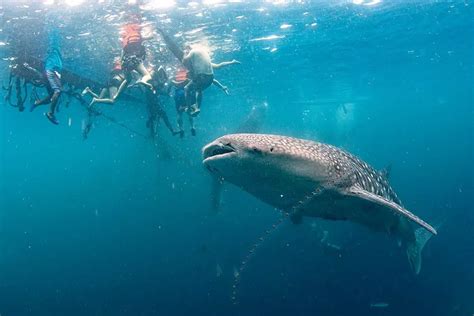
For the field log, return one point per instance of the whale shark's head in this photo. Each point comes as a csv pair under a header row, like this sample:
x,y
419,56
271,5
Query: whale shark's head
x,y
265,165
237,152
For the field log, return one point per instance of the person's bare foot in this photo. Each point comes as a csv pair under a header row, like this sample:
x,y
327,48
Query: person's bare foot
x,y
85,91
194,111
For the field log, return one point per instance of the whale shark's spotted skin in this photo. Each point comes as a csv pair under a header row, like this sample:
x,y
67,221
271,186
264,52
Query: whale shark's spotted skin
x,y
342,165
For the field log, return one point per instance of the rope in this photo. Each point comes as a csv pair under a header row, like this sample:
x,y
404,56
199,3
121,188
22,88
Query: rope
x,y
96,112
298,207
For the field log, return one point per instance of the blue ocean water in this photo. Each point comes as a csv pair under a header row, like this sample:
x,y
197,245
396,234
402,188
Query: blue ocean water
x,y
120,224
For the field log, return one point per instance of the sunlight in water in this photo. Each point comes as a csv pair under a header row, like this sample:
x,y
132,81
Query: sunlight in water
x,y
74,3
366,3
212,2
158,4
267,38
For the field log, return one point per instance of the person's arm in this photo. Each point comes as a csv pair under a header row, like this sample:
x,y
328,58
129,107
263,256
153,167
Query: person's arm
x,y
187,59
225,63
222,87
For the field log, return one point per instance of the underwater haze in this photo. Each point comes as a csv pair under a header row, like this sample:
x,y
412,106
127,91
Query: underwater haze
x,y
121,223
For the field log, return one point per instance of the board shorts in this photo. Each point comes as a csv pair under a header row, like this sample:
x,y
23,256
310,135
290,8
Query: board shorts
x,y
179,100
54,81
202,81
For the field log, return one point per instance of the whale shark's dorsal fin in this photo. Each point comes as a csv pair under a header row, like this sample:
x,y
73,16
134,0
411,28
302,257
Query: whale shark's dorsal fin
x,y
385,172
369,196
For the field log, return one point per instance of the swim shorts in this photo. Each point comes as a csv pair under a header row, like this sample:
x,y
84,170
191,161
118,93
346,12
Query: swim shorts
x,y
202,81
54,81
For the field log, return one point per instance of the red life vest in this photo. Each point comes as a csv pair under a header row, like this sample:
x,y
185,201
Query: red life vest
x,y
181,75
131,33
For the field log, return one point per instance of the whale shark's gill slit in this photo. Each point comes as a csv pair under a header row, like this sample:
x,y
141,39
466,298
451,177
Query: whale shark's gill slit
x,y
296,209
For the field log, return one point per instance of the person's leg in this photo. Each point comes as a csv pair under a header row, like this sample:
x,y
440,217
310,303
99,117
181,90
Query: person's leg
x,y
145,76
164,116
54,101
88,90
196,108
19,97
113,90
202,83
188,90
87,126
180,123
45,100
112,98
191,123
55,84
52,110
225,63
50,87
198,99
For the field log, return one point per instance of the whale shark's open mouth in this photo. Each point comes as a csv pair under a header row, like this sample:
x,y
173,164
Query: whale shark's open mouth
x,y
215,151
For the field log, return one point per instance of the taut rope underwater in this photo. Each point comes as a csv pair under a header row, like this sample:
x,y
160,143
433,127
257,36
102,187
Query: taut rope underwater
x,y
96,112
295,210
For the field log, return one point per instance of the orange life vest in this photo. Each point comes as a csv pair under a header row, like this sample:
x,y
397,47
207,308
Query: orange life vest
x,y
131,33
181,75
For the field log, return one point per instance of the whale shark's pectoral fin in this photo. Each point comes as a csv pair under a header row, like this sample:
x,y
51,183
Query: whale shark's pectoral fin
x,y
369,196
216,193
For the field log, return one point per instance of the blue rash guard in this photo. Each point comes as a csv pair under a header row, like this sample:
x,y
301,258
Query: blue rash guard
x,y
54,61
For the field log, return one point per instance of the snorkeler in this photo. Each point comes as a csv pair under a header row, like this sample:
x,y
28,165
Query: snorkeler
x,y
133,56
115,82
133,52
52,66
201,71
180,101
154,107
88,123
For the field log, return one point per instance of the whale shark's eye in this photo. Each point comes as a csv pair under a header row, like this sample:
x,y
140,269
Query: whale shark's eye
x,y
271,149
256,150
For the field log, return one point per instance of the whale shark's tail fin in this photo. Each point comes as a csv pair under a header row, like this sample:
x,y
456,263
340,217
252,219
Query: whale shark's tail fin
x,y
415,248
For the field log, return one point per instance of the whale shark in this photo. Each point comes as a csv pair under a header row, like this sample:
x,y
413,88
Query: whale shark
x,y
310,179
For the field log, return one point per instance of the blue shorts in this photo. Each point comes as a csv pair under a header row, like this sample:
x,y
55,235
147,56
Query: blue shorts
x,y
179,99
54,81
